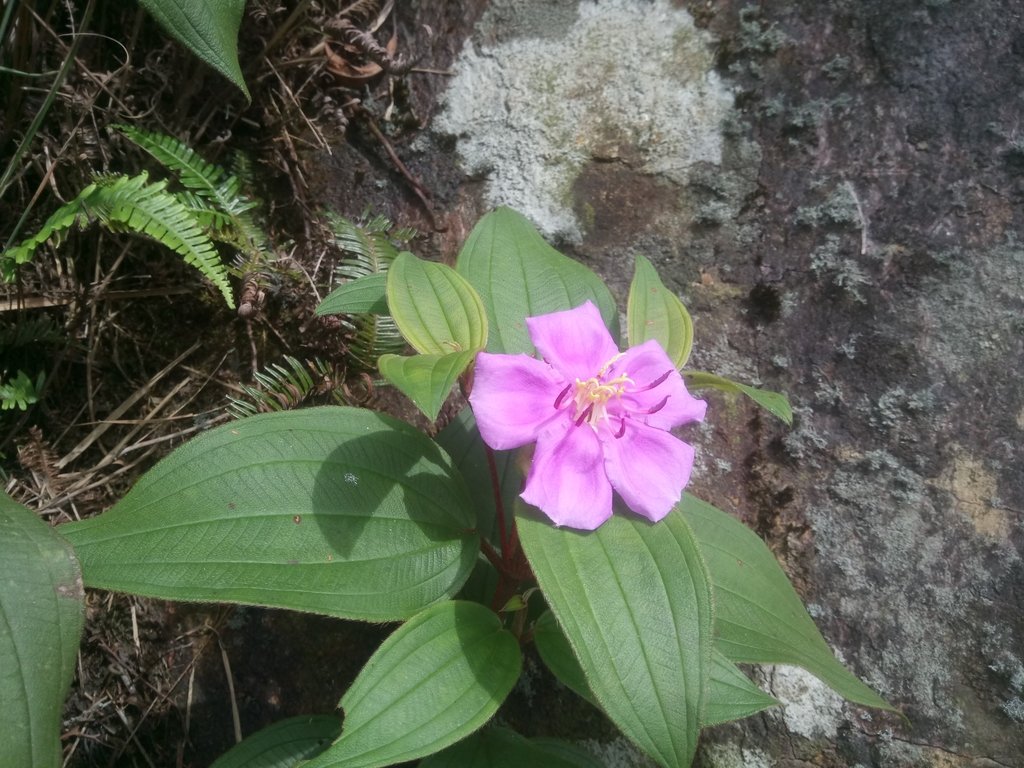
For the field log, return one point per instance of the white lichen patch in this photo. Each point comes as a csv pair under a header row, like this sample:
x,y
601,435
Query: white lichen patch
x,y
809,707
530,112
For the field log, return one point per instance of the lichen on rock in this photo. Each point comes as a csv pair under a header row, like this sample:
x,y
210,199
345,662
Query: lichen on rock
x,y
531,111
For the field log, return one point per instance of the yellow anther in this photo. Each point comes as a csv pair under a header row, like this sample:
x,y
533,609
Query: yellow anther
x,y
592,395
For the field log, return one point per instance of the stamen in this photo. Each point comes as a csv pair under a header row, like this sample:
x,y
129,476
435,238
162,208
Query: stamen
x,y
609,364
561,396
585,415
656,382
622,429
658,407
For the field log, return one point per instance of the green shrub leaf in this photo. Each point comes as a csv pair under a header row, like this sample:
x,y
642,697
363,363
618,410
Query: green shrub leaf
x,y
284,744
775,403
654,312
731,695
518,275
427,380
557,655
461,439
435,308
438,678
634,601
209,30
42,610
502,748
759,617
331,510
364,295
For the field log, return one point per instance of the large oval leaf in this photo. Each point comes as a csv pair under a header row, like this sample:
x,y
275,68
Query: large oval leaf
x,y
337,511
209,30
518,275
435,308
42,610
634,601
502,748
438,678
283,744
759,617
654,312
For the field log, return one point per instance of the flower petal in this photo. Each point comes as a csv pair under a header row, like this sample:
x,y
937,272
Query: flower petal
x,y
575,341
648,468
646,364
567,480
513,398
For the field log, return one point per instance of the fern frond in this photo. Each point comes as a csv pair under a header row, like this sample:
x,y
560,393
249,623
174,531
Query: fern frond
x,y
208,181
280,388
193,171
209,218
68,215
241,166
369,248
39,330
132,204
373,336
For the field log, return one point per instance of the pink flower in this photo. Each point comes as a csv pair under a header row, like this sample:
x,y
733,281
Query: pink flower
x,y
600,419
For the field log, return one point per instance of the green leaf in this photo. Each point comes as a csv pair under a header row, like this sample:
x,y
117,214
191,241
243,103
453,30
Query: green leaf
x,y
364,295
775,403
435,308
518,275
634,601
427,380
731,695
337,511
557,655
438,678
654,312
759,617
209,30
283,744
502,748
42,610
461,439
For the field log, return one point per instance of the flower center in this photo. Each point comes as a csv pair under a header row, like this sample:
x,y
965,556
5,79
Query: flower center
x,y
591,396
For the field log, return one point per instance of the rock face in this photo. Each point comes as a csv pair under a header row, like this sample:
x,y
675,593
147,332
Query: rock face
x,y
834,189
